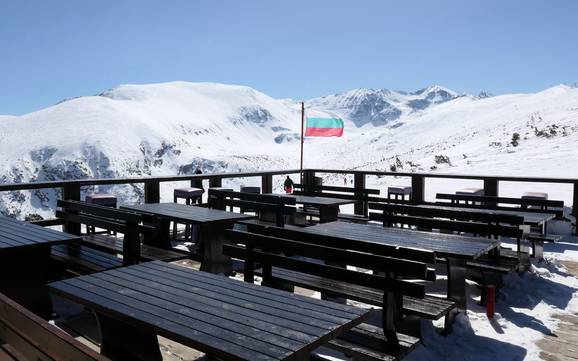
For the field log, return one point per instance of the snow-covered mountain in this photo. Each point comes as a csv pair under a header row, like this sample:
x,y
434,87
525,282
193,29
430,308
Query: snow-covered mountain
x,y
382,106
174,128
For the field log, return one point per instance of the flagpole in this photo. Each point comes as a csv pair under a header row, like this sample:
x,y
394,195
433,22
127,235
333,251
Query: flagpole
x,y
302,125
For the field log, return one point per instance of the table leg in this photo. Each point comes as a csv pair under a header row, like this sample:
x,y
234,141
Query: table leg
x,y
328,214
161,238
456,269
121,341
23,278
212,239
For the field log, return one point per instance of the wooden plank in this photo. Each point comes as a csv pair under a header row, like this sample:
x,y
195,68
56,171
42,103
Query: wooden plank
x,y
241,290
368,280
214,315
451,225
97,210
507,200
180,333
115,245
152,193
35,338
449,212
238,291
378,263
30,226
186,213
147,300
337,188
442,244
344,243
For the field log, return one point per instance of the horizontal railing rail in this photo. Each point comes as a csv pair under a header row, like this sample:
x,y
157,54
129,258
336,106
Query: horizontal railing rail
x,y
133,180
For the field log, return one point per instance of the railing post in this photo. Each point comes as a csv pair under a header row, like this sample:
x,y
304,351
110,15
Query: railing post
x,y
71,192
575,202
267,183
308,177
360,207
215,182
491,188
417,189
152,191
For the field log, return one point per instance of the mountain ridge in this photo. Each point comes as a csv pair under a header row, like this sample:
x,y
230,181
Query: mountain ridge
x,y
176,127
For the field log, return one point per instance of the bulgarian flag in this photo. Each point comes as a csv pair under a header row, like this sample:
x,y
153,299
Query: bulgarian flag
x,y
318,126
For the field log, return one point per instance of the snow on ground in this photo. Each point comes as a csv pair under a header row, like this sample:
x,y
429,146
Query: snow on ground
x,y
524,314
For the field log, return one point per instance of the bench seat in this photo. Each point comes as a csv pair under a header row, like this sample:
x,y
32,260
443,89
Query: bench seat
x,y
24,336
503,264
9,353
430,307
366,342
148,253
85,259
537,237
356,218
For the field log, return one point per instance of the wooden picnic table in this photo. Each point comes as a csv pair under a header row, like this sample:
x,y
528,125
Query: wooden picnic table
x,y
25,262
211,224
456,249
225,318
328,207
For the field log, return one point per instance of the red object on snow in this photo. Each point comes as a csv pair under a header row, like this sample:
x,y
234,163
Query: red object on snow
x,y
490,300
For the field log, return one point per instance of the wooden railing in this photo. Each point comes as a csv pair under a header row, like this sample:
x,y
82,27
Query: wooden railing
x,y
72,189
491,183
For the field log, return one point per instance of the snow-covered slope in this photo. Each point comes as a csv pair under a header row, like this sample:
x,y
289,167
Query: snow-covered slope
x,y
173,128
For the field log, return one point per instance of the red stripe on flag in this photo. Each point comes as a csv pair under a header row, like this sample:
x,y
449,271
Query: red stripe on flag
x,y
324,132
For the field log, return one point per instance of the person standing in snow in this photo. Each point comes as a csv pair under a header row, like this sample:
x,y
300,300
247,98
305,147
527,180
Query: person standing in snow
x,y
288,185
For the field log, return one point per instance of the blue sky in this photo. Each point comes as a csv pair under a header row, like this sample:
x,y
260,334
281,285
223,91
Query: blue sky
x,y
51,50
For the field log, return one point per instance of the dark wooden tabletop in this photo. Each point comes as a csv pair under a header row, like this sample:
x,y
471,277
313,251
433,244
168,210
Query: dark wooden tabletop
x,y
317,201
222,317
529,217
186,213
18,234
444,245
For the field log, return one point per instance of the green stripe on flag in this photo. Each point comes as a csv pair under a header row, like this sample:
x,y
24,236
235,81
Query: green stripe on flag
x,y
315,122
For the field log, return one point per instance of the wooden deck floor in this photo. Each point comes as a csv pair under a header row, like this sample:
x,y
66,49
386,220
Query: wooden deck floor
x,y
563,344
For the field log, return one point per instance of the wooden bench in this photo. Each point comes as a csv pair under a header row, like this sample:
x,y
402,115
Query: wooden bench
x,y
390,281
491,202
348,193
271,208
99,252
429,307
481,224
25,336
486,269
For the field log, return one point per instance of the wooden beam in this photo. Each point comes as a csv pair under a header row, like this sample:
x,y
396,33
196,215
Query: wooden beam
x,y
360,207
575,200
71,192
417,189
215,182
267,183
152,191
